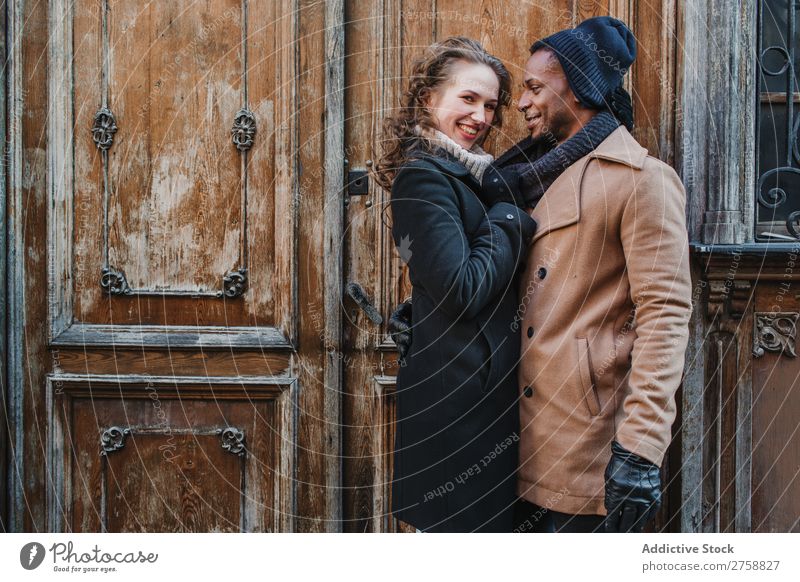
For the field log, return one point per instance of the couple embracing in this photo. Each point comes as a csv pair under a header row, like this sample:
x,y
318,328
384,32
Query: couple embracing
x,y
545,336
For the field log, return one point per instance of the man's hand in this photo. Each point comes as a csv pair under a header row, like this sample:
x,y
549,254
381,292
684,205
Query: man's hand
x,y
633,491
400,328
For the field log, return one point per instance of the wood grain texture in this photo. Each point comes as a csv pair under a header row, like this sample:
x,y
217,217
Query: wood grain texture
x,y
175,336
172,474
27,219
207,338
180,363
178,188
368,98
333,226
316,499
717,83
776,438
176,79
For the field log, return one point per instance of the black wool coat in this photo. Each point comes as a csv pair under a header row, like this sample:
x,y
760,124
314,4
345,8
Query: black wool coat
x,y
457,429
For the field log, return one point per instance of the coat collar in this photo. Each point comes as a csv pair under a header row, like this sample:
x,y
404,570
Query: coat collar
x,y
621,147
561,204
444,161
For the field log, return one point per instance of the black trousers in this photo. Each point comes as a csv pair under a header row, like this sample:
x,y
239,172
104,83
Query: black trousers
x,y
530,518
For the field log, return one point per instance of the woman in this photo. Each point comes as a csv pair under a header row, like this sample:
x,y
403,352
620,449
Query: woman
x,y
457,421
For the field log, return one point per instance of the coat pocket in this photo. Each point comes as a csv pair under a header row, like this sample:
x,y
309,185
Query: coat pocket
x,y
466,362
587,378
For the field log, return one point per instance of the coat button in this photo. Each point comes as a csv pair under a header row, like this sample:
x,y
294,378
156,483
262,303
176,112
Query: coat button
x,y
541,273
530,332
528,392
496,180
510,216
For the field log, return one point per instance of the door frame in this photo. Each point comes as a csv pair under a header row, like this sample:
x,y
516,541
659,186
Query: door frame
x,y
334,193
13,286
4,459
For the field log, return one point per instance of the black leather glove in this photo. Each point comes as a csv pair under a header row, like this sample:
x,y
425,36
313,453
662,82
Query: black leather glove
x,y
501,185
400,328
633,491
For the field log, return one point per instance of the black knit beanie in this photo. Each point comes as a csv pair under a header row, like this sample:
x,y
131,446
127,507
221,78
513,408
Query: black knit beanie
x,y
595,56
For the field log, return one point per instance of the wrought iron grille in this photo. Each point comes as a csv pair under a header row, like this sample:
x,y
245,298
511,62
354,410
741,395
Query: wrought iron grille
x,y
778,187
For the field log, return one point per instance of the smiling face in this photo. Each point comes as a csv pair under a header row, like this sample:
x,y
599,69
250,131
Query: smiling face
x,y
463,107
548,103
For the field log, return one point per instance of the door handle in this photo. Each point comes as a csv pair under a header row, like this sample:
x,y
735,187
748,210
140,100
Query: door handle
x,y
356,293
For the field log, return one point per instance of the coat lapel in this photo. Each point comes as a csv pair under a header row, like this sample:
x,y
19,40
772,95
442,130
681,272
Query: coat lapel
x,y
561,204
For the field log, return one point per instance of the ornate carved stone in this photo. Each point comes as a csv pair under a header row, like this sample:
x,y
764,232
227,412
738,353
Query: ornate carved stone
x,y
113,439
104,128
775,332
232,440
728,298
740,294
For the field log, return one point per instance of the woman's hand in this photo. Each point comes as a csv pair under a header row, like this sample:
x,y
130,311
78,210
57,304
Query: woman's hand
x,y
501,185
400,329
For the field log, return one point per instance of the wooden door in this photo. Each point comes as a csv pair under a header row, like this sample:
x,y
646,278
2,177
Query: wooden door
x,y
383,38
173,271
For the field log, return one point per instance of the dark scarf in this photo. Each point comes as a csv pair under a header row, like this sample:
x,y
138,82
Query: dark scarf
x,y
537,164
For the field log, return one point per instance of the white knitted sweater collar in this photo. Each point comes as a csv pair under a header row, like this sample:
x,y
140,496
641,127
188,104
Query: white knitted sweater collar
x,y
476,160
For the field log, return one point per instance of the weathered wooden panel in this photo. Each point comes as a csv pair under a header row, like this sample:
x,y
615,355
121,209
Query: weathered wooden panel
x,y
178,201
652,76
157,454
27,260
319,59
176,79
57,217
776,400
199,489
719,429
746,406
160,363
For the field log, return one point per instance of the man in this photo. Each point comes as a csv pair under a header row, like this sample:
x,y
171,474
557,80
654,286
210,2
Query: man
x,y
605,296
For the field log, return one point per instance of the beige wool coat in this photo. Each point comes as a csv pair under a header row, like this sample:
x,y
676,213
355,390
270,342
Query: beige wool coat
x,y
605,299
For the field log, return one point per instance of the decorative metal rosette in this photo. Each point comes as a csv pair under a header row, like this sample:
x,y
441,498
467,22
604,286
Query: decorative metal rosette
x,y
114,282
104,128
113,439
232,440
244,130
234,283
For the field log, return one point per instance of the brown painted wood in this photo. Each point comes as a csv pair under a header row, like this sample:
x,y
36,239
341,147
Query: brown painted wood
x,y
179,363
176,223
776,439
171,471
177,186
27,214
